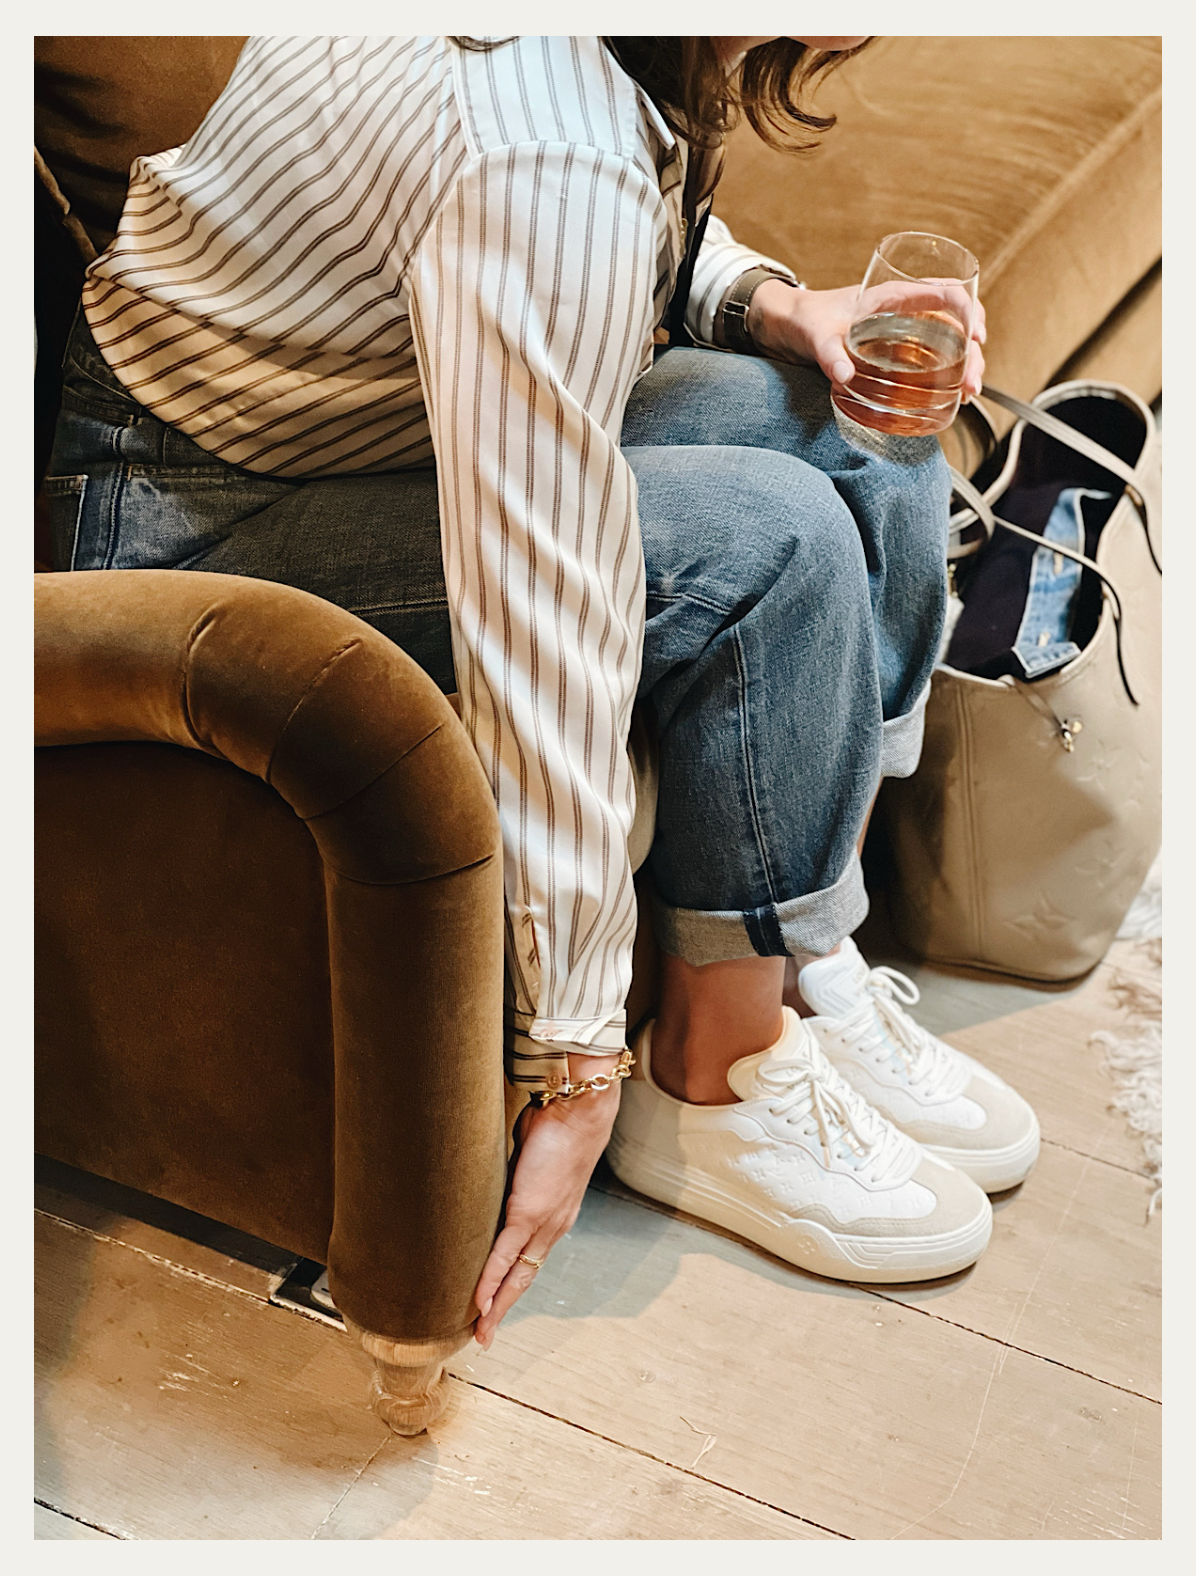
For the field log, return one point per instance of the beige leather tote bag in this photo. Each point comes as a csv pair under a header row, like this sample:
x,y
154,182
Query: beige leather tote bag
x,y
1035,812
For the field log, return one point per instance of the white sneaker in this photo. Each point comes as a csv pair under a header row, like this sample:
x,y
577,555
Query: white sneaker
x,y
801,1166
954,1107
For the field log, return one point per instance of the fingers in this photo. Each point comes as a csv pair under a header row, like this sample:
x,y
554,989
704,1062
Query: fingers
x,y
508,1245
973,375
505,1279
554,1159
518,1279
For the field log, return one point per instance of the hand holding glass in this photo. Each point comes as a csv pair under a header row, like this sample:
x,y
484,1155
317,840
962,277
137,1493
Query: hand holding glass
x,y
909,335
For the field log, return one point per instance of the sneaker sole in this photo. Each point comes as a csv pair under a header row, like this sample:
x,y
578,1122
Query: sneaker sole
x,y
807,1244
994,1170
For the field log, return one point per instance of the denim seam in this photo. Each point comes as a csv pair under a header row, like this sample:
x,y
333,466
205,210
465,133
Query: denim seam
x,y
74,487
764,931
199,554
118,483
180,478
696,601
97,410
749,773
82,498
399,607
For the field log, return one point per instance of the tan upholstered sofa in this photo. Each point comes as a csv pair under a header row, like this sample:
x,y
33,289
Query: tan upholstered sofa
x,y
269,908
1043,155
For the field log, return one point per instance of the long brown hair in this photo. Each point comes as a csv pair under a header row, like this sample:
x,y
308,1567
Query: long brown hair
x,y
688,82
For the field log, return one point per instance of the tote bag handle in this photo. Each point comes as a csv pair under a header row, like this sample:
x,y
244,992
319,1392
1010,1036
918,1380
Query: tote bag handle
x,y
1081,444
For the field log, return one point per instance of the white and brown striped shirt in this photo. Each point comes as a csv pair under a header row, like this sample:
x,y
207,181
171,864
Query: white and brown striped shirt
x,y
380,253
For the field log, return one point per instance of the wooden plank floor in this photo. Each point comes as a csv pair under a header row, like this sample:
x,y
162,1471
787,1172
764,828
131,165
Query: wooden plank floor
x,y
680,1383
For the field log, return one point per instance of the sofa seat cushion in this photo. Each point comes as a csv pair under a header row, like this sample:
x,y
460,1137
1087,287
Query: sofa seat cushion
x,y
1043,155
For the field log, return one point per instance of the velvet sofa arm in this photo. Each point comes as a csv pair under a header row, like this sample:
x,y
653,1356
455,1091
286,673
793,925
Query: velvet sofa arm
x,y
365,749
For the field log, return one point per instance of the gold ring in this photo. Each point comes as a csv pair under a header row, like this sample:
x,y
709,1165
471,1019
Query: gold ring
x,y
536,1264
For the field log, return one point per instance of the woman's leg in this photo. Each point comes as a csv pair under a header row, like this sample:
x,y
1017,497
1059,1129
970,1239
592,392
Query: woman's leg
x,y
760,668
898,496
716,1009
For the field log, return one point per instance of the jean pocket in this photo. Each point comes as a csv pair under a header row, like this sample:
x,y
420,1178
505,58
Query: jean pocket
x,y
86,395
65,496
170,519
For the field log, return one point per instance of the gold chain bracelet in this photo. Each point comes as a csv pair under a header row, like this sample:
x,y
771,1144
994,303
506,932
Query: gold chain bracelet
x,y
600,1081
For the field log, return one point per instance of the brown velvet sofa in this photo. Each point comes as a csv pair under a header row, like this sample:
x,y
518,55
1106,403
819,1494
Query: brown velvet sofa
x,y
269,969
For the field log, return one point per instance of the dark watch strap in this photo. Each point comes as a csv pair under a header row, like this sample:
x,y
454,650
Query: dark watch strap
x,y
732,314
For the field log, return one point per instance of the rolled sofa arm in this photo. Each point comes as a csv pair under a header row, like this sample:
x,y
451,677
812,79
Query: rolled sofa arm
x,y
367,751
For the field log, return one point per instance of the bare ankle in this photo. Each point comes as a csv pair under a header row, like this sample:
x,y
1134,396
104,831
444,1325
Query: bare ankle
x,y
681,1070
693,1067
711,1015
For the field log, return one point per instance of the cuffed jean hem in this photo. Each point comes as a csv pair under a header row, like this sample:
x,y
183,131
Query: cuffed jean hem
x,y
901,740
813,924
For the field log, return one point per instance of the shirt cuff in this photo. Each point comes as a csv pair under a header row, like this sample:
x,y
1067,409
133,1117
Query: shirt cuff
x,y
535,1063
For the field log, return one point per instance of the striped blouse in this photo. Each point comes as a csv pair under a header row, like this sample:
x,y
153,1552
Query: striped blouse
x,y
381,253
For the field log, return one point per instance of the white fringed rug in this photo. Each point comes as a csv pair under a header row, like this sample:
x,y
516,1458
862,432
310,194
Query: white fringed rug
x,y
1133,1055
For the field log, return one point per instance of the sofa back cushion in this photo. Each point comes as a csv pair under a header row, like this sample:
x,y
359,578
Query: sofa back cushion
x,y
100,102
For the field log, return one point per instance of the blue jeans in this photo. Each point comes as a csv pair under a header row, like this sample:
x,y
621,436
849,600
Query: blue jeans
x,y
796,590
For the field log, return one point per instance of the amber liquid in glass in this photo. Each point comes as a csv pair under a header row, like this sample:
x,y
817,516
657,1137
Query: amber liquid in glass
x,y
909,371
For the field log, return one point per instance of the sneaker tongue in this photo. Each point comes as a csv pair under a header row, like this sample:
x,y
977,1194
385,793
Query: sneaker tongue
x,y
796,1041
834,985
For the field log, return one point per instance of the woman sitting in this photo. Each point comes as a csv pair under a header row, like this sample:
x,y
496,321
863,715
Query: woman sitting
x,y
443,330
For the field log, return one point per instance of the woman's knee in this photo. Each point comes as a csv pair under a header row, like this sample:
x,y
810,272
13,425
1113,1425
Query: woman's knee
x,y
733,525
909,480
901,507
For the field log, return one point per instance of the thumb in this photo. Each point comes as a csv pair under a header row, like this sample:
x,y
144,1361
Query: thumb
x,y
834,360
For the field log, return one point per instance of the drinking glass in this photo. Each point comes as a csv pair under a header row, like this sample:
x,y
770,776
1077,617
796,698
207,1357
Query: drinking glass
x,y
909,335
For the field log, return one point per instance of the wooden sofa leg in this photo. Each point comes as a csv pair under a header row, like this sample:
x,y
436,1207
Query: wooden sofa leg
x,y
408,1389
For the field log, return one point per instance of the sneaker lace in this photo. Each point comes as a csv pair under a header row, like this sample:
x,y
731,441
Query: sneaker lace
x,y
881,1023
808,1093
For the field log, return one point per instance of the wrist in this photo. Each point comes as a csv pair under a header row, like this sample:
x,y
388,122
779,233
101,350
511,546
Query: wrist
x,y
593,1111
771,314
731,322
584,1065
601,1076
